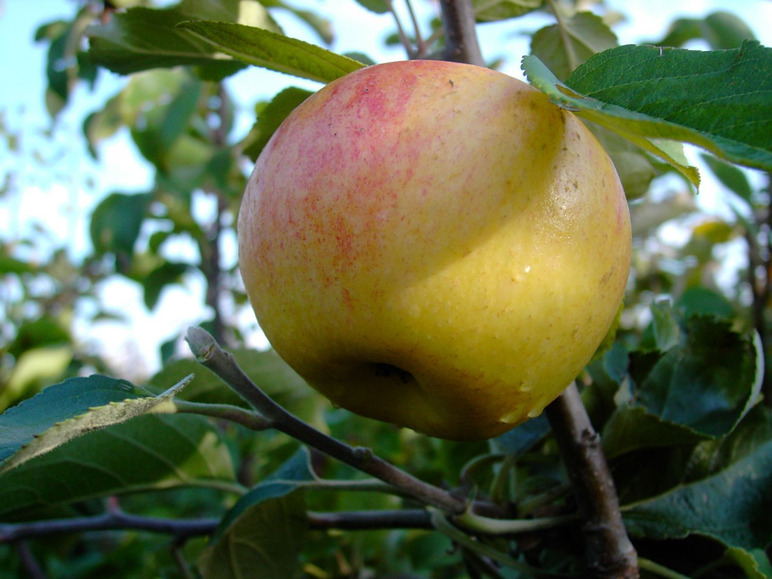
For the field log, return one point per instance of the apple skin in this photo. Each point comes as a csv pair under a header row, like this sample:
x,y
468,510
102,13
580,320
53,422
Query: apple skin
x,y
435,245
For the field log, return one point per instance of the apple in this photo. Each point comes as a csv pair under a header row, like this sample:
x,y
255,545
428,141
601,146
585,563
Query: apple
x,y
435,245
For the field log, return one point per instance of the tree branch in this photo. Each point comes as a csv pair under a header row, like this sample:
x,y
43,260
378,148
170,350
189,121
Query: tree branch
x,y
461,44
608,549
224,365
109,521
183,529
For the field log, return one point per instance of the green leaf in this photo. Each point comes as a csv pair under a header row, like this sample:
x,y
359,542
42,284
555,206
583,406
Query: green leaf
x,y
271,116
587,34
144,38
721,30
625,123
150,452
116,222
263,533
702,301
377,6
634,167
716,100
631,428
707,382
9,264
493,10
273,51
70,409
665,326
35,369
522,438
732,507
754,563
167,273
293,475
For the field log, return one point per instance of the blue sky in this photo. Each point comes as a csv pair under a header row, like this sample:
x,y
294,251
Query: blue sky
x,y
60,191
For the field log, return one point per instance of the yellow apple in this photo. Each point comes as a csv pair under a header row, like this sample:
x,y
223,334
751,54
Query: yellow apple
x,y
435,245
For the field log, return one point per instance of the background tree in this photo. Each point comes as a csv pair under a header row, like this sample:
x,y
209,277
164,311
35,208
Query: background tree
x,y
675,396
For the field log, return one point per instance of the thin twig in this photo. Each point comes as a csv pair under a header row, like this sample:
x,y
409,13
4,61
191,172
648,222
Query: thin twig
x,y
403,37
183,529
608,549
224,365
370,520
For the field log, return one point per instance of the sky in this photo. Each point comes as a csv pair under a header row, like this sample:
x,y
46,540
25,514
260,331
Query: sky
x,y
60,190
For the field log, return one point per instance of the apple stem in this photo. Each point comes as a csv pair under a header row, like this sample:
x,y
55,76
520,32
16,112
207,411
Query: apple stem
x,y
608,549
222,363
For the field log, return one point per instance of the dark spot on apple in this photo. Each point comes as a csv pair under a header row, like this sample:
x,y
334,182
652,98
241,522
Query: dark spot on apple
x,y
383,370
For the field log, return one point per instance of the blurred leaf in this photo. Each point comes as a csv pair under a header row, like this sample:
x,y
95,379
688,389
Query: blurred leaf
x,y
665,326
702,301
33,370
65,64
153,284
102,124
9,264
732,507
143,38
754,562
716,100
150,452
319,24
263,533
588,35
377,6
116,222
725,30
721,30
492,10
271,116
273,51
731,177
39,333
70,409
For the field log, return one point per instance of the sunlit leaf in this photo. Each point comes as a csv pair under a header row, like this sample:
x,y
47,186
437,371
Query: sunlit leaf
x,y
717,100
273,51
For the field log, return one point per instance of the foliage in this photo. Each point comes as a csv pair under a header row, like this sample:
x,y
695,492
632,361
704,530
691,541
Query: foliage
x,y
680,397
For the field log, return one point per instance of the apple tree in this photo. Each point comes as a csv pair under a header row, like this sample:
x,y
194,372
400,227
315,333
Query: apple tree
x,y
656,461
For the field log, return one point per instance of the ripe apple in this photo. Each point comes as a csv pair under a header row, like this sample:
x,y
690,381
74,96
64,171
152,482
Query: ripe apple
x,y
435,245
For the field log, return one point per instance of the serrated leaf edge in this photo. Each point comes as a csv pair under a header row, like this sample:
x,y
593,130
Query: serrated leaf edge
x,y
94,419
